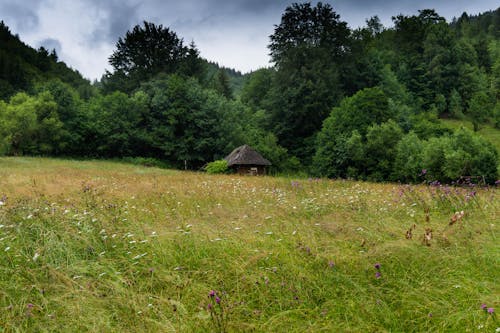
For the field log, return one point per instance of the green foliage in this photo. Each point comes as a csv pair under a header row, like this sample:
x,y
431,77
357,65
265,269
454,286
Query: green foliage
x,y
145,52
308,48
186,122
163,102
480,108
217,167
30,125
463,154
455,105
255,92
358,112
408,161
380,149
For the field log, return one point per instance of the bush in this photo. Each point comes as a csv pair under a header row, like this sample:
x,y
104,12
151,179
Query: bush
x,y
217,167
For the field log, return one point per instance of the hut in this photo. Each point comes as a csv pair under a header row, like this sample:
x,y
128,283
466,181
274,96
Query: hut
x,y
246,161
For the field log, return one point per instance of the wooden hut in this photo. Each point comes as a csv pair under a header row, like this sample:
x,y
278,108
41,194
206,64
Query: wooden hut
x,y
246,161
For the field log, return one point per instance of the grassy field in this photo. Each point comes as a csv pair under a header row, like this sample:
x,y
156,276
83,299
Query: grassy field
x,y
108,247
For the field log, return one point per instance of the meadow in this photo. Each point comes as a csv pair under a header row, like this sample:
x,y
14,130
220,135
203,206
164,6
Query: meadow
x,y
110,247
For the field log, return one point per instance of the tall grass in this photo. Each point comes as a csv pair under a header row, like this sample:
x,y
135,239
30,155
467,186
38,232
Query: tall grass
x,y
110,247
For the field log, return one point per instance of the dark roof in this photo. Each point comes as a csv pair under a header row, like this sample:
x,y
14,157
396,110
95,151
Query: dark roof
x,y
245,155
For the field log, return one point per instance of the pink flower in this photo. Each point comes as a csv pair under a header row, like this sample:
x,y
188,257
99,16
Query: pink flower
x,y
490,310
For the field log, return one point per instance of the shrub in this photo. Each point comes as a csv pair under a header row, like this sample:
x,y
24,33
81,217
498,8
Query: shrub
x,y
217,167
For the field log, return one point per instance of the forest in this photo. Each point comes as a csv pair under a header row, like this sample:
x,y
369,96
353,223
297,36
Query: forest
x,y
365,103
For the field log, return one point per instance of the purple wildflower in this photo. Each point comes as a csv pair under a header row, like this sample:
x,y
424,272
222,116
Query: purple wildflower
x,y
209,306
331,264
29,305
491,310
378,275
217,299
483,306
430,314
377,266
424,171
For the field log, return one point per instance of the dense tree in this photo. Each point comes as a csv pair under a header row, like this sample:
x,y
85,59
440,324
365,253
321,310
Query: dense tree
x,y
255,92
146,51
408,163
362,103
308,48
356,113
380,150
480,108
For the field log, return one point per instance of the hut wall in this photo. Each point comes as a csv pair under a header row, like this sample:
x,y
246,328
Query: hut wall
x,y
253,170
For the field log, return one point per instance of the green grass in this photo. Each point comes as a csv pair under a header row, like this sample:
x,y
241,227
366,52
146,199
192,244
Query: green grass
x,y
112,247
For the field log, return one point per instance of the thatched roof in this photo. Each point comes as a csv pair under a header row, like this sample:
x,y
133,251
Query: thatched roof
x,y
245,155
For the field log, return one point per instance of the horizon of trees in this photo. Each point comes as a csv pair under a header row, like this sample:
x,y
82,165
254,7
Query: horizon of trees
x,y
362,104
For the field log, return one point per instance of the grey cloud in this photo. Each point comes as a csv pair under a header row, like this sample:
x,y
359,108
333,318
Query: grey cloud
x,y
23,16
120,16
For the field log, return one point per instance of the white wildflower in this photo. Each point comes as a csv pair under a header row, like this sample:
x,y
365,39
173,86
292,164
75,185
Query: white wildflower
x,y
139,256
35,257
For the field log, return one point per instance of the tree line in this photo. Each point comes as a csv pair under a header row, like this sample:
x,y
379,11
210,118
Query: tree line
x,y
337,102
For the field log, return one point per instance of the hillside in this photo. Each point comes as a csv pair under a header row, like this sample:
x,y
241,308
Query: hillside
x,y
21,66
101,246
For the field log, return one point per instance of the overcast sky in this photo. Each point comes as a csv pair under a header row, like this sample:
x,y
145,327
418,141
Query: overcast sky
x,y
234,33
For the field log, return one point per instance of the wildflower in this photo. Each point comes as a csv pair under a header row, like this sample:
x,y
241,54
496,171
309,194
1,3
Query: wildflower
x,y
29,305
430,314
209,306
377,266
491,310
331,264
378,275
483,306
212,293
217,299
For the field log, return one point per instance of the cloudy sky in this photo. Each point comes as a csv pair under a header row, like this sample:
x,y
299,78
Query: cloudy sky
x,y
233,33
